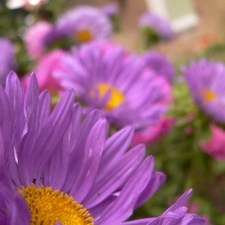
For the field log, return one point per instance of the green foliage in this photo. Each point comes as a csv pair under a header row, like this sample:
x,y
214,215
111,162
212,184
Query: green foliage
x,y
149,37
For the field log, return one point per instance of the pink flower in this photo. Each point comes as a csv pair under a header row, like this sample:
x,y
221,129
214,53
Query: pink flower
x,y
45,70
34,37
215,147
152,134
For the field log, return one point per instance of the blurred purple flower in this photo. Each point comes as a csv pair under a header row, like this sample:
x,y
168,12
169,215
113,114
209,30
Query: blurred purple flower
x,y
205,82
82,24
44,71
72,160
104,76
34,39
7,59
160,65
160,26
215,147
110,10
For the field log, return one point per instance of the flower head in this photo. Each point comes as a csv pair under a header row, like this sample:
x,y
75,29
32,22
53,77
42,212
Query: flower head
x,y
205,82
157,25
119,84
82,24
215,147
34,39
7,59
57,170
160,65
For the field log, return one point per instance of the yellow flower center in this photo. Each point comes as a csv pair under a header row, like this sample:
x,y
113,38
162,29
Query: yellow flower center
x,y
207,95
83,36
48,207
116,97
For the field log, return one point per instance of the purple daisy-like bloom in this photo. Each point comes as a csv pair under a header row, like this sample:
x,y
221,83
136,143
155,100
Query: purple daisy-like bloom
x,y
104,76
159,64
56,170
160,26
82,24
205,82
7,59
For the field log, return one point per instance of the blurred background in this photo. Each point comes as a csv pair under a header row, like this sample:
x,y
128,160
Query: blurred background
x,y
189,43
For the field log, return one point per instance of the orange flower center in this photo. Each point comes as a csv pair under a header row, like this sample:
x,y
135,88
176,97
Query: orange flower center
x,y
207,96
116,97
83,36
48,207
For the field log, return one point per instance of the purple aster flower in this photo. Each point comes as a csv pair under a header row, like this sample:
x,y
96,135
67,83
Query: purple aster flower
x,y
205,82
56,170
7,59
105,77
160,65
158,25
82,24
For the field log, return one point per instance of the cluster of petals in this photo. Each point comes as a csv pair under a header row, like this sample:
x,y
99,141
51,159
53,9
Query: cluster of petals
x,y
53,148
101,63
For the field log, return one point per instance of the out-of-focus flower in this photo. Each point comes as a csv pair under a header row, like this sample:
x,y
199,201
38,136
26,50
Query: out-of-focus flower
x,y
155,28
215,147
7,59
44,71
74,175
110,10
206,41
34,39
81,25
160,65
152,134
29,4
205,82
106,77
